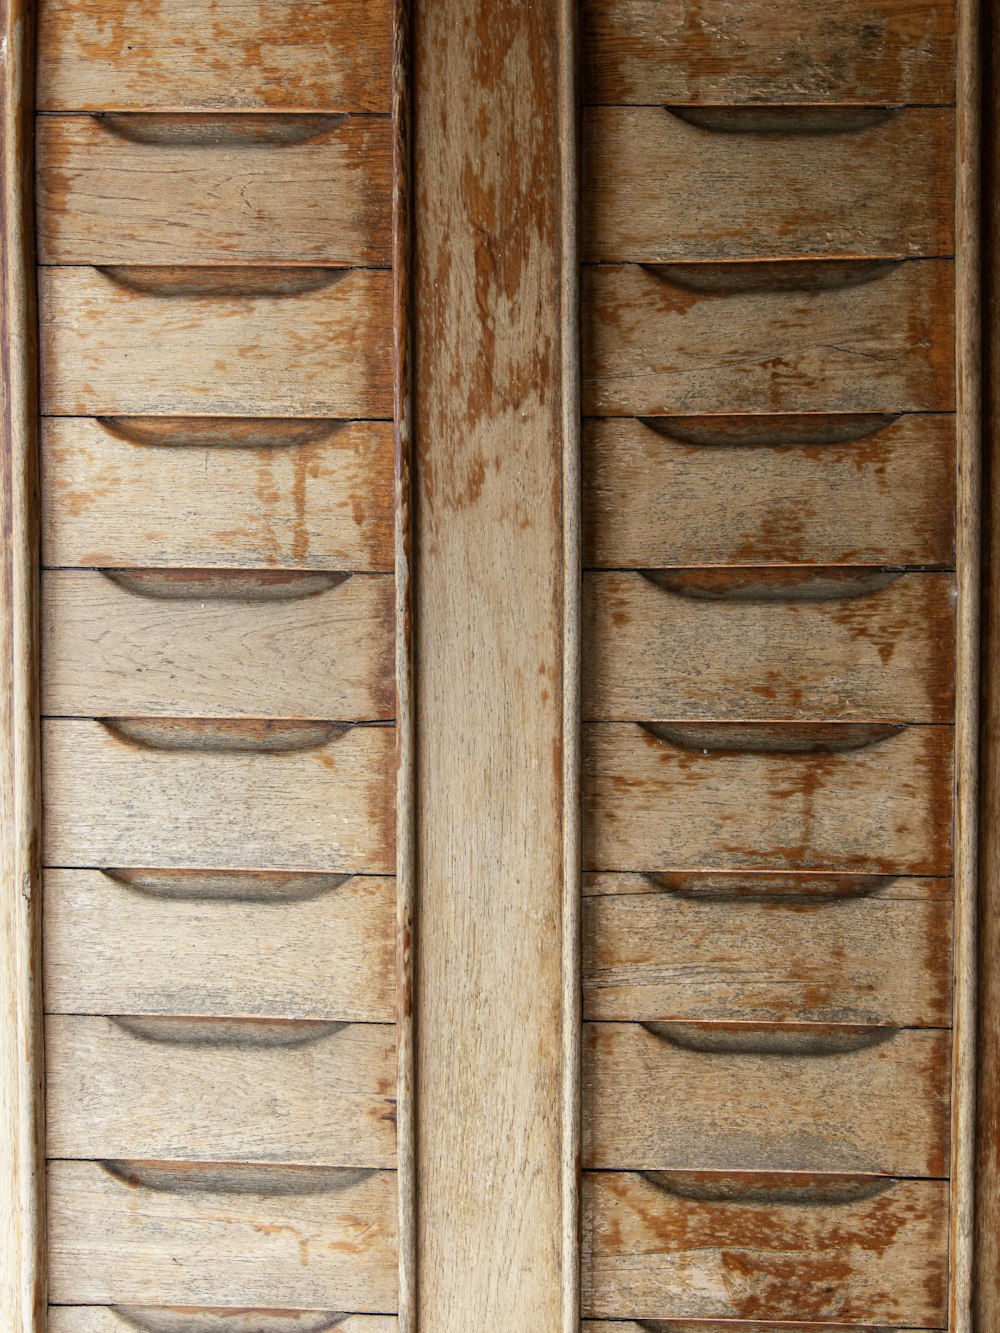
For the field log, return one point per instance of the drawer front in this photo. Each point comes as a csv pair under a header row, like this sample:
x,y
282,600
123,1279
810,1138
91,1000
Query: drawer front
x,y
94,1319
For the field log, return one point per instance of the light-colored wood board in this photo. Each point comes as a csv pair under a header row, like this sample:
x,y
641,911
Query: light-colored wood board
x,y
842,960
125,644
188,1319
232,1090
659,188
886,51
287,55
652,501
654,652
298,948
118,1242
110,349
320,502
649,1254
726,1326
883,809
112,802
806,886
137,190
652,1102
653,347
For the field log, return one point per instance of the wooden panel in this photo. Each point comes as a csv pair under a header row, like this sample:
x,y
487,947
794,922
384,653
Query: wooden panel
x,y
720,1097
290,494
200,341
187,1319
728,1326
724,184
769,490
277,54
225,644
745,645
111,800
878,339
275,1237
285,946
879,1256
182,189
749,51
775,885
767,958
655,805
232,1090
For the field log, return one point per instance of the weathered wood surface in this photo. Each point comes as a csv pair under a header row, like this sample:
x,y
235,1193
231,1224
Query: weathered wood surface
x,y
201,492
769,490
771,958
661,186
881,343
650,1253
734,886
651,804
191,1319
231,1090
882,51
725,1097
292,1237
213,189
725,1326
288,55
736,645
217,644
200,341
326,804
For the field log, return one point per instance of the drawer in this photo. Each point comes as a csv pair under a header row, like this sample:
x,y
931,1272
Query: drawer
x,y
278,1237
768,957
292,55
763,490
102,1319
203,491
751,51
875,798
697,1326
218,795
768,337
748,644
231,1090
217,643
798,1097
694,183
152,189
758,1247
220,943
207,341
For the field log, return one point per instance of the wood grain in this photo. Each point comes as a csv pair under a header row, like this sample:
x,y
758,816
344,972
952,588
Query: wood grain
x,y
658,187
652,347
887,497
277,946
287,55
215,189
188,1319
726,1326
112,802
776,886
110,349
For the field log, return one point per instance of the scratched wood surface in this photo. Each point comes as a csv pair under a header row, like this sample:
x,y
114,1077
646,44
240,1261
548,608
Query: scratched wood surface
x,y
191,1319
663,184
125,189
287,55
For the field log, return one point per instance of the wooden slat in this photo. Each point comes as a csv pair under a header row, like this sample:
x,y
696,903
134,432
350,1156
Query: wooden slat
x,y
651,1102
236,1090
651,805
884,498
103,1319
840,960
112,802
775,885
319,501
649,1254
109,349
190,54
269,945
150,644
673,652
177,189
660,188
653,347
749,51
727,1326
120,1242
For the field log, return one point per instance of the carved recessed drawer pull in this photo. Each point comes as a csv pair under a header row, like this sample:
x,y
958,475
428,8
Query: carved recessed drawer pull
x,y
728,278
772,430
762,119
225,585
767,1187
237,1177
222,432
787,888
223,735
188,1319
220,281
248,886
802,1039
758,738
772,585
258,1032
215,130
